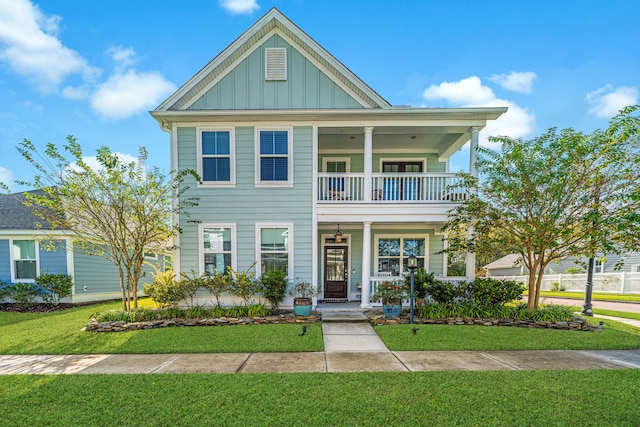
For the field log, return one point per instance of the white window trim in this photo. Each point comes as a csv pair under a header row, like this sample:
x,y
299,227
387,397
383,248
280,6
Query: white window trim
x,y
232,156
401,237
289,226
403,159
234,243
258,181
326,160
12,263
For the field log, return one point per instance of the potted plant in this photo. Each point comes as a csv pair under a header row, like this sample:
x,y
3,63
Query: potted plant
x,y
391,294
303,293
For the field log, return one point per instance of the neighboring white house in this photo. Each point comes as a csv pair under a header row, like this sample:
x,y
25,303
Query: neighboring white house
x,y
512,265
308,169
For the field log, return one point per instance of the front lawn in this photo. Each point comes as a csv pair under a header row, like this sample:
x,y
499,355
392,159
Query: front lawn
x,y
492,398
595,296
485,338
59,333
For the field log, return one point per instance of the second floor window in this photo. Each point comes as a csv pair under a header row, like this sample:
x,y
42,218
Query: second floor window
x,y
275,157
216,161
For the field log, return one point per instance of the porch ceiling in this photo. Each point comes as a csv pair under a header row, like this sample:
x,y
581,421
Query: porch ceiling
x,y
442,139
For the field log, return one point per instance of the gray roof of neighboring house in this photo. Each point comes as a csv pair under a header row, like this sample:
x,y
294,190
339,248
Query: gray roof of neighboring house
x,y
14,215
507,261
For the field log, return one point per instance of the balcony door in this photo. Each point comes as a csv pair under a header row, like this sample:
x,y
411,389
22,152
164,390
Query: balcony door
x,y
398,188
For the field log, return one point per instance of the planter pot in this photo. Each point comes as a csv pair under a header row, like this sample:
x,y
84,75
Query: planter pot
x,y
302,306
391,309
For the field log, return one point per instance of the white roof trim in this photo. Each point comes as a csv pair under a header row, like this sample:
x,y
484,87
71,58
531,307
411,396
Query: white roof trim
x,y
278,19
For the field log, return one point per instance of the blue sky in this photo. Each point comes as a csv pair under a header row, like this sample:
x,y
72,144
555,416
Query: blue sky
x,y
94,69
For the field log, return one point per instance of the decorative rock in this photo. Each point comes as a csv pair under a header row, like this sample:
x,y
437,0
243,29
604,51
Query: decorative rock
x,y
119,326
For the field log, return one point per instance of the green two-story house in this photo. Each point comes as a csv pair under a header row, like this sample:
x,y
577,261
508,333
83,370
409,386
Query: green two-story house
x,y
306,168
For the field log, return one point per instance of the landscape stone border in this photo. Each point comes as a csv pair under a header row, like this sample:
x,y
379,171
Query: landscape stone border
x,y
578,324
122,326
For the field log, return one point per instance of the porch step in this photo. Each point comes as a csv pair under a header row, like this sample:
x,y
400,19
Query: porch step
x,y
343,316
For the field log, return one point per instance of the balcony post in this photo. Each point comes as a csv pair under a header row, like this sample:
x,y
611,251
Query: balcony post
x,y
365,301
473,171
368,164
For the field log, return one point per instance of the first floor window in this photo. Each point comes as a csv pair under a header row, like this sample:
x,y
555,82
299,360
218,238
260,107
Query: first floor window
x,y
25,259
394,252
217,249
274,248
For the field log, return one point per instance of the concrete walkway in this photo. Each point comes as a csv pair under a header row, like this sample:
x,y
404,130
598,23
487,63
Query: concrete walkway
x,y
350,345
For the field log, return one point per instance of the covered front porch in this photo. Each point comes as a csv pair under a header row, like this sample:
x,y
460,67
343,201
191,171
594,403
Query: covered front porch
x,y
353,258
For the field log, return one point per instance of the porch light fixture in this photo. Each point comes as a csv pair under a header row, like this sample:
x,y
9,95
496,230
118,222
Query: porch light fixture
x,y
338,235
412,264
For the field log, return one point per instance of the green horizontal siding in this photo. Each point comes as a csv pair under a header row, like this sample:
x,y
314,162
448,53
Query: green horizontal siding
x,y
245,204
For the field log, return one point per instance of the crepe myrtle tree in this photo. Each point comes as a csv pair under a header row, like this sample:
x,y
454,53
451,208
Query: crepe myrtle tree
x,y
564,193
116,209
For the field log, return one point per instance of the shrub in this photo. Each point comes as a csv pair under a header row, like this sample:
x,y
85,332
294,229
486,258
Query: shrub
x,y
58,286
236,311
574,270
446,292
164,290
243,284
487,291
195,312
556,287
421,281
188,286
391,292
24,294
258,310
217,284
274,286
4,290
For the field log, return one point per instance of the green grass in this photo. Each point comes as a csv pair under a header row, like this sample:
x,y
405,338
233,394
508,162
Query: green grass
x,y
616,313
595,296
493,398
59,333
485,338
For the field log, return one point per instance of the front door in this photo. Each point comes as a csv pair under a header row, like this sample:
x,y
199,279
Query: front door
x,y
336,272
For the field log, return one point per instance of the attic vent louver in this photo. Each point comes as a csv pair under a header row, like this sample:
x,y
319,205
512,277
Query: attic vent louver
x,y
275,63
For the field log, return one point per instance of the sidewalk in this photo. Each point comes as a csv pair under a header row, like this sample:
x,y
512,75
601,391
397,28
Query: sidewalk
x,y
349,347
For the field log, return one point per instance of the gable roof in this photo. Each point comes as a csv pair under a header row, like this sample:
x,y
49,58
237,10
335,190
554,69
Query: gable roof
x,y
507,261
273,22
14,215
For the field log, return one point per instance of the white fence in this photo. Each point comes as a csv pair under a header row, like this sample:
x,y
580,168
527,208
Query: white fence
x,y
619,283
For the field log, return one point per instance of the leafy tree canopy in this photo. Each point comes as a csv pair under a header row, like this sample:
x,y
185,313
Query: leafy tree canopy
x,y
564,193
117,209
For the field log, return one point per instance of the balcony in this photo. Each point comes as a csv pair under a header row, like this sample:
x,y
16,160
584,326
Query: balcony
x,y
390,188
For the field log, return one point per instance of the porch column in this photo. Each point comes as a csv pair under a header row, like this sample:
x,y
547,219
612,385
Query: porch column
x,y
368,160
366,266
473,171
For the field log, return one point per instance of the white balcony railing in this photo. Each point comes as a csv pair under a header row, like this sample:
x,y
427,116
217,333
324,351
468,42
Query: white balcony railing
x,y
391,187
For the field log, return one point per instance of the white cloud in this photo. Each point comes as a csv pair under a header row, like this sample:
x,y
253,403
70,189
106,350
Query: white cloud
x,y
128,93
239,6
6,177
515,81
123,57
607,101
470,92
29,45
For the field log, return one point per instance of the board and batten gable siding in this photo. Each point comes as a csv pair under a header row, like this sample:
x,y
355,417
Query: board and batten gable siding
x,y
5,260
245,87
245,204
